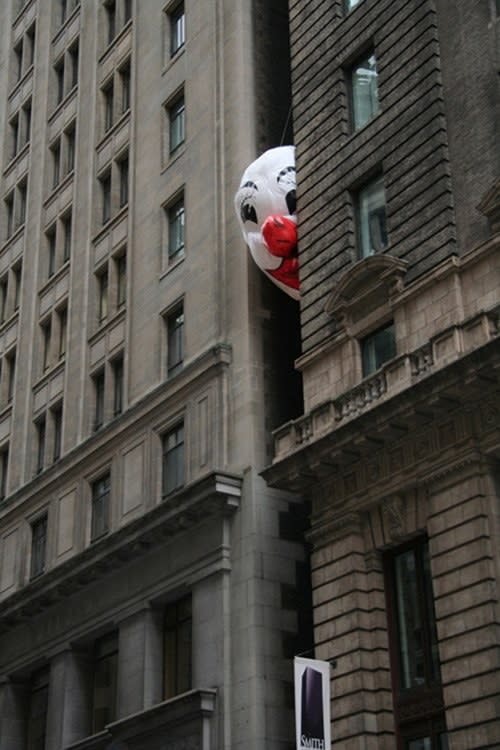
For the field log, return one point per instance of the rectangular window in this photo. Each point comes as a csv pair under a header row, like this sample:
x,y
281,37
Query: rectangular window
x,y
46,328
17,274
40,438
66,227
38,546
63,11
55,151
110,9
177,29
100,507
377,348
70,149
59,79
99,389
102,294
104,693
51,251
38,708
176,117
62,316
371,218
73,53
14,135
11,374
414,657
22,195
30,43
4,287
18,60
364,91
175,340
117,366
4,467
125,87
121,279
173,460
106,197
26,125
57,415
9,214
123,172
177,648
176,218
109,102
127,11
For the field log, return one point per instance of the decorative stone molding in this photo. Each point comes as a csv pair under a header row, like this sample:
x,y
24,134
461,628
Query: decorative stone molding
x,y
394,517
330,528
490,207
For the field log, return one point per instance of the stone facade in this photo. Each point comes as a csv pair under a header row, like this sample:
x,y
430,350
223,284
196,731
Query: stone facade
x,y
119,117
405,456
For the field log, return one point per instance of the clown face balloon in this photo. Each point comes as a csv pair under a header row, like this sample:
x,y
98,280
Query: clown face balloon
x,y
265,204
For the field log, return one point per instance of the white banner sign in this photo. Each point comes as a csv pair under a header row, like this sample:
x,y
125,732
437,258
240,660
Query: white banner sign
x,y
312,704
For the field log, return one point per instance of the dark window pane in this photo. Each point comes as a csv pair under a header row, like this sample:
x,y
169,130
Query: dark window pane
x,y
378,348
100,507
177,29
365,103
38,546
371,218
173,460
177,666
175,344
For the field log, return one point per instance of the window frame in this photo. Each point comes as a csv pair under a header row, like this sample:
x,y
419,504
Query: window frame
x,y
369,367
174,320
362,221
173,458
100,505
38,561
176,212
176,110
177,622
356,101
177,28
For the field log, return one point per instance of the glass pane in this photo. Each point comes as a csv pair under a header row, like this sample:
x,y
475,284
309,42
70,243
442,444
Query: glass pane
x,y
372,231
435,673
423,743
176,125
377,349
411,635
443,741
365,104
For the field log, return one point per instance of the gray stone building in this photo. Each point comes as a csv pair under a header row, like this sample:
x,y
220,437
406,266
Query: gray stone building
x,y
149,579
396,112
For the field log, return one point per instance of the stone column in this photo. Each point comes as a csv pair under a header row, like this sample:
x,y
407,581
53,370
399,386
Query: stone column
x,y
350,628
463,542
139,662
68,718
13,713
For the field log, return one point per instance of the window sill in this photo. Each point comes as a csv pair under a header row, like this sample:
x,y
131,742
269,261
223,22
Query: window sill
x,y
22,10
49,374
110,224
59,188
8,322
54,278
173,59
171,267
174,156
67,22
18,157
115,41
67,98
111,131
21,82
109,322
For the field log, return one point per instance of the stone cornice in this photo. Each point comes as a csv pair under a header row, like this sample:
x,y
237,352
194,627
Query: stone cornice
x,y
217,495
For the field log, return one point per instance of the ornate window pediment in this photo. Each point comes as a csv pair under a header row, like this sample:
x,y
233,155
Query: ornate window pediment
x,y
365,290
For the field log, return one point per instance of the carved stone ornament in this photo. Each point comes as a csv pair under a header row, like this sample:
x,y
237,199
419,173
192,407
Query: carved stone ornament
x,y
393,515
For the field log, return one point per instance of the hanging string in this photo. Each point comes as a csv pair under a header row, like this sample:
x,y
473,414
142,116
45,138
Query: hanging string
x,y
286,125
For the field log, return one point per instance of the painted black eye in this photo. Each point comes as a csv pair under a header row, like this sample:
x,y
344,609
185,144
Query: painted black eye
x,y
291,202
248,213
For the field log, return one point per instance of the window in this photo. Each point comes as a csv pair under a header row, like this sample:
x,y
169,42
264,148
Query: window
x,y
30,45
14,135
108,97
9,214
125,87
70,148
173,460
73,54
117,367
100,507
11,374
414,657
123,172
51,250
99,389
38,707
55,151
127,10
105,181
17,274
57,415
66,228
26,123
175,343
176,231
371,218
59,79
364,91
40,442
104,693
22,196
377,348
38,546
62,319
46,328
176,124
18,60
102,294
4,287
63,11
110,10
121,279
177,29
177,648
4,466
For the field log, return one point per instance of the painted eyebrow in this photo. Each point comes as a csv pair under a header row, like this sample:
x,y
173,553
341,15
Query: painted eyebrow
x,y
250,184
285,171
